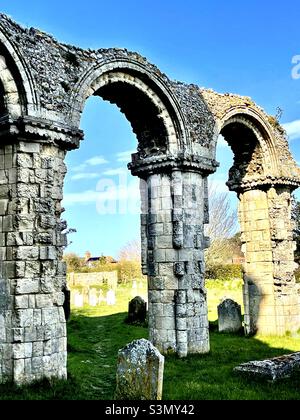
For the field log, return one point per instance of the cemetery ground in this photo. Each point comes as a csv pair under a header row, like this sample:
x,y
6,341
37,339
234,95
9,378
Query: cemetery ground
x,y
95,334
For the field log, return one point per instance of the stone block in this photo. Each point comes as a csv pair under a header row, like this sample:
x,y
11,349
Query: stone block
x,y
27,286
26,253
139,372
21,302
179,269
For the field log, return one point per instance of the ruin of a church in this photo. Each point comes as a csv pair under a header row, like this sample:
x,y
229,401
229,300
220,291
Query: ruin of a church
x,y
44,86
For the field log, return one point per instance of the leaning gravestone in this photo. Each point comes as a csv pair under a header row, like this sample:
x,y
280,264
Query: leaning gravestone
x,y
137,310
271,369
229,316
139,372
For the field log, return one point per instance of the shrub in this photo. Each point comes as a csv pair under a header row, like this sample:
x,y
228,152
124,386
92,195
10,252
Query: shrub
x,y
224,271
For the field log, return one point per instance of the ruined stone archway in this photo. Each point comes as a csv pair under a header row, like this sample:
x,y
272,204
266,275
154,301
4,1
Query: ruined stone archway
x,y
44,86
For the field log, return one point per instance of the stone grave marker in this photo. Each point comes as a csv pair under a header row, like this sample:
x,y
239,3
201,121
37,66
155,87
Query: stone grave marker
x,y
139,372
137,310
229,316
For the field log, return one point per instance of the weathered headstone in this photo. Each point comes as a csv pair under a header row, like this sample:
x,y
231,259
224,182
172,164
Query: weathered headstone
x,y
139,372
78,299
110,297
93,297
271,369
229,316
67,302
137,310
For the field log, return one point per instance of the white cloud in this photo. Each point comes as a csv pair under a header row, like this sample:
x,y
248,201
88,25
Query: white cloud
x,y
116,171
84,175
94,161
293,129
109,197
125,156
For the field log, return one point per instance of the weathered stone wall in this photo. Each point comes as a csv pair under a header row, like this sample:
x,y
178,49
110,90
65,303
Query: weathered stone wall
x,y
32,274
108,278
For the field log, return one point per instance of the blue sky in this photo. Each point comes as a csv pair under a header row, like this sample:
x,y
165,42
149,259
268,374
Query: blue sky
x,y
233,46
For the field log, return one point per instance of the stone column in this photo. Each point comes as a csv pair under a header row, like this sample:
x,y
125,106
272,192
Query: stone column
x,y
173,244
32,322
271,296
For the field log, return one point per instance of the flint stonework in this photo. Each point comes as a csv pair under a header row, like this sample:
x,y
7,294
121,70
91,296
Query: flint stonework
x,y
139,372
44,86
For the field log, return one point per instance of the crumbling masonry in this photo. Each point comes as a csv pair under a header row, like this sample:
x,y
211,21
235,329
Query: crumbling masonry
x,y
43,89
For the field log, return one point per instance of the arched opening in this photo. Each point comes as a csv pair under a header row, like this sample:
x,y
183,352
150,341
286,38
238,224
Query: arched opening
x,y
248,154
251,165
142,114
99,170
223,258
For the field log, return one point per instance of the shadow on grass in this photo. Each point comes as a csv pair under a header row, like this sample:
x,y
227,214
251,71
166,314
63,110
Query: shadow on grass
x,y
93,344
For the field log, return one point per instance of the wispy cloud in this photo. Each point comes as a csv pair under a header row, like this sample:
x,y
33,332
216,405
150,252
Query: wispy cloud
x,y
126,195
84,175
125,156
94,161
116,171
293,129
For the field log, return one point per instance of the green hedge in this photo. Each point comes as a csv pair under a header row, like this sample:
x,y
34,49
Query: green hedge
x,y
224,271
297,275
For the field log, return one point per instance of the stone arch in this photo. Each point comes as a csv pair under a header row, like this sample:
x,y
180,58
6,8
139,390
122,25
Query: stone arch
x,y
269,290
159,125
43,91
20,95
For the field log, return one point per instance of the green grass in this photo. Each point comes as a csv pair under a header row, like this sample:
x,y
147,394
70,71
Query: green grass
x,y
95,335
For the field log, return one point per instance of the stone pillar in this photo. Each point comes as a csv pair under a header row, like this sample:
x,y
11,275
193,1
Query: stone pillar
x,y
32,322
173,257
271,297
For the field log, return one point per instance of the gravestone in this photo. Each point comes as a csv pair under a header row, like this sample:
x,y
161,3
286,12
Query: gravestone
x,y
67,302
229,316
93,300
110,297
271,369
139,372
137,310
78,299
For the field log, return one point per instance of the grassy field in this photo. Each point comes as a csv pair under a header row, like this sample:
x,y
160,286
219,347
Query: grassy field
x,y
95,335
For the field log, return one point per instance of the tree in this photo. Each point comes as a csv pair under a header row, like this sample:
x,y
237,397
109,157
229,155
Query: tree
x,y
223,224
131,251
74,262
130,261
